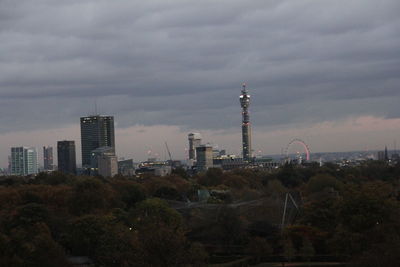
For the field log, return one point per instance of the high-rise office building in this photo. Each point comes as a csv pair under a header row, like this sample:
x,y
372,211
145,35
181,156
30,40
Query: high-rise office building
x,y
23,161
66,157
194,141
48,158
246,129
204,154
96,131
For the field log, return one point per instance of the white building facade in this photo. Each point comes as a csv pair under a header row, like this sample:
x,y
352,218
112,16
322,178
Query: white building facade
x,y
23,161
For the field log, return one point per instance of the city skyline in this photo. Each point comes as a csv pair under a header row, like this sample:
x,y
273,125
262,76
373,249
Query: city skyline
x,y
325,72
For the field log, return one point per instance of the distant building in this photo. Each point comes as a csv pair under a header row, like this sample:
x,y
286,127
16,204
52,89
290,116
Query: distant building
x,y
383,155
246,126
204,154
23,161
156,171
163,171
194,141
266,163
229,163
126,167
104,162
96,131
48,158
386,154
157,168
218,153
174,163
66,157
108,165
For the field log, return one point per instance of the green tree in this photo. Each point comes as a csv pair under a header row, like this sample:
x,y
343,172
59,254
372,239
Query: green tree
x,y
84,234
129,192
289,252
160,235
30,214
213,177
102,238
155,211
307,251
168,193
161,245
224,228
363,208
321,214
53,178
180,172
196,255
290,176
89,196
33,246
259,247
320,182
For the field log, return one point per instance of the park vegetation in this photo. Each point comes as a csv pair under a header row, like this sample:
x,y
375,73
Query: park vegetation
x,y
343,214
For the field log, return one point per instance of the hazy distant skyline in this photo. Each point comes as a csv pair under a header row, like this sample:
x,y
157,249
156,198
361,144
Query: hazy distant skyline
x,y
323,71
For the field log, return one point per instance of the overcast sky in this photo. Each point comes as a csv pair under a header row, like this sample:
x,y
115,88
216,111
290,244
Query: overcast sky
x,y
323,71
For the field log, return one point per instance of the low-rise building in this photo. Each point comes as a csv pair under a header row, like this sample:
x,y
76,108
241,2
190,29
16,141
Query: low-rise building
x,y
104,162
204,155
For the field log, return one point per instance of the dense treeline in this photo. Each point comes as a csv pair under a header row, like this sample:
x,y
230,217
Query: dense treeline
x,y
346,214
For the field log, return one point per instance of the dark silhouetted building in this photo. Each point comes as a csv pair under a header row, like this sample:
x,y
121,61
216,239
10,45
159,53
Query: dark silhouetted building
x,y
96,131
66,157
48,158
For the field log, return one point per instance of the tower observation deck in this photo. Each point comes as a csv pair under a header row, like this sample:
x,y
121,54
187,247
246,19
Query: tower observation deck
x,y
246,127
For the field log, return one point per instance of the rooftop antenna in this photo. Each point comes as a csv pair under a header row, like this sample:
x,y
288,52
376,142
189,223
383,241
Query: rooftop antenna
x,y
95,106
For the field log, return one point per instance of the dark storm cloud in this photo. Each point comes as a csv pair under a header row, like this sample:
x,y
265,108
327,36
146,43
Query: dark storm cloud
x,y
182,62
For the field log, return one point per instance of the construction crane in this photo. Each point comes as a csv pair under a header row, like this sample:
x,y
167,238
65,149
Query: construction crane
x,y
169,153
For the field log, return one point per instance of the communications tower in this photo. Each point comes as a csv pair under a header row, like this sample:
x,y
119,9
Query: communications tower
x,y
246,129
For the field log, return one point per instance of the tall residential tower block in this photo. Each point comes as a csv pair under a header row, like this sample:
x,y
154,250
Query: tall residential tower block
x,y
23,161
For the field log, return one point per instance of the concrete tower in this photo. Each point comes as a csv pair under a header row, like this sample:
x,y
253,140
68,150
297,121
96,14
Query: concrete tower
x,y
246,128
194,141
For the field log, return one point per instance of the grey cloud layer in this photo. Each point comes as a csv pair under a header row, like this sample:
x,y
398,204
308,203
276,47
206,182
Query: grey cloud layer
x,y
182,62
